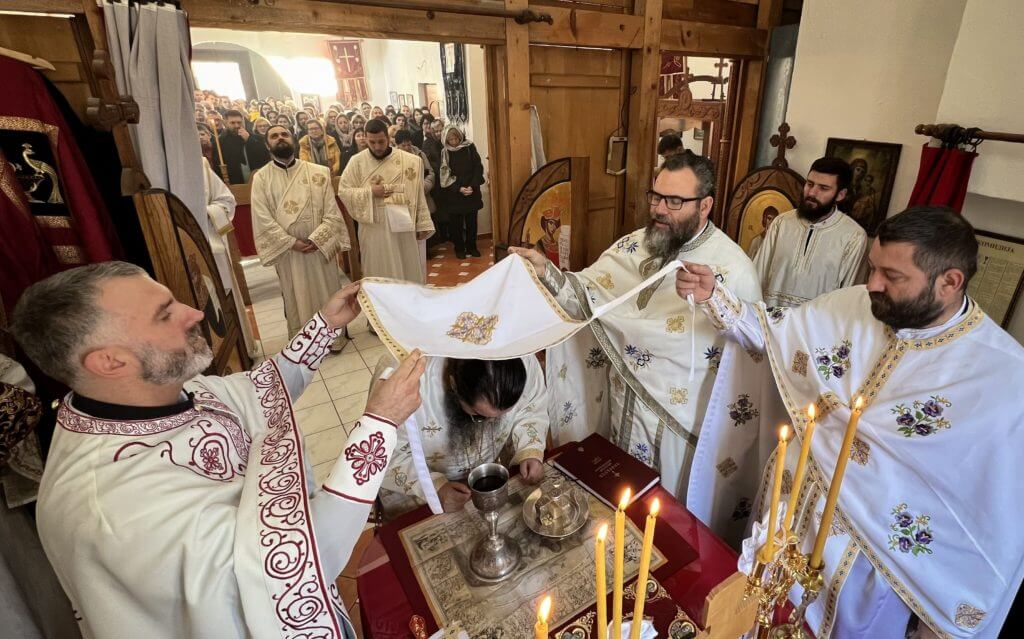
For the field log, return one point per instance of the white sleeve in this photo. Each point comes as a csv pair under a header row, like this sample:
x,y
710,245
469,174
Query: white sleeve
x,y
734,318
299,360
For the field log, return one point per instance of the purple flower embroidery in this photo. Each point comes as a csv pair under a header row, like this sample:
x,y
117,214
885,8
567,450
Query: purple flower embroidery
x,y
923,418
910,534
638,357
932,408
742,410
833,362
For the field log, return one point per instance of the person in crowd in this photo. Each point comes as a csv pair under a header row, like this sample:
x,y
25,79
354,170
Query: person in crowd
x,y
319,148
392,129
256,146
301,118
358,121
390,113
460,178
366,110
214,116
232,146
402,121
343,132
403,141
376,112
432,147
416,128
285,121
406,110
208,147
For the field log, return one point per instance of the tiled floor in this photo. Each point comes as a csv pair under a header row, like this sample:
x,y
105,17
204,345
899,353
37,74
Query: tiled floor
x,y
335,399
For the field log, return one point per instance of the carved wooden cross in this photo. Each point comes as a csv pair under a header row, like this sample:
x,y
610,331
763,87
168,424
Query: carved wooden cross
x,y
720,65
782,140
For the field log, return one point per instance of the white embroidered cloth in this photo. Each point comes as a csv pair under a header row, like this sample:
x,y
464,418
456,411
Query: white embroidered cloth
x,y
504,312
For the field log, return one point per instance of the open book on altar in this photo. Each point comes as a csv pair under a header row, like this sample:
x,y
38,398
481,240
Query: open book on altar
x,y
606,470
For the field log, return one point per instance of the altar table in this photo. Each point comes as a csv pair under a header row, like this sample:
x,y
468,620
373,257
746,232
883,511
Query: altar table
x,y
386,610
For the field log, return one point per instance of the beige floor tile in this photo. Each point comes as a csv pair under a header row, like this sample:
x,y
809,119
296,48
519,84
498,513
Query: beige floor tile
x,y
317,418
273,345
270,330
334,365
358,325
321,471
347,384
372,355
316,393
351,408
325,446
366,341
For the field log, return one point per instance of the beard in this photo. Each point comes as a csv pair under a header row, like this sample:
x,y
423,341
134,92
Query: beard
x,y
282,150
812,210
382,155
162,368
665,244
464,434
917,312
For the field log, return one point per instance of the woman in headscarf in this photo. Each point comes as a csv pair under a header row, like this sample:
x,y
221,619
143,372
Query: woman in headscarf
x,y
319,148
462,175
256,146
377,112
285,121
415,126
343,131
358,144
301,119
358,121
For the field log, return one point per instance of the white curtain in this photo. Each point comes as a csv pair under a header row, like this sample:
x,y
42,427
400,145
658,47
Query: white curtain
x,y
150,50
537,157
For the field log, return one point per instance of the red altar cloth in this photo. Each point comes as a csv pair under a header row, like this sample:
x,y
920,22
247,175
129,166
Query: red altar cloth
x,y
385,610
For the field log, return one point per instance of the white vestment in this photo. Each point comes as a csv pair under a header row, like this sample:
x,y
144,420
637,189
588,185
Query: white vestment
x,y
220,208
928,514
799,261
523,431
388,225
630,376
205,521
298,203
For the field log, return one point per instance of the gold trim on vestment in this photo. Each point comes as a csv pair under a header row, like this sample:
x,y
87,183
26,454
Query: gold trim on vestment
x,y
11,187
15,123
68,254
880,373
836,584
53,221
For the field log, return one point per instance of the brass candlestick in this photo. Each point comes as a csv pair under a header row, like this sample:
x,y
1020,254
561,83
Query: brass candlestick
x,y
770,581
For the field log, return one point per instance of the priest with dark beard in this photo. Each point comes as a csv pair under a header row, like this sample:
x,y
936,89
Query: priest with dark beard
x,y
473,412
642,374
925,538
815,248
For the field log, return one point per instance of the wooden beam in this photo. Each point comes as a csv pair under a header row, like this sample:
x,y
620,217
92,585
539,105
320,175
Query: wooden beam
x,y
43,6
517,81
576,27
310,16
698,38
769,14
643,109
574,80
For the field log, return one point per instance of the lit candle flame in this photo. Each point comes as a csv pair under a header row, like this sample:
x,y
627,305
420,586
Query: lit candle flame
x,y
602,532
655,507
545,609
625,499
784,432
859,404
812,411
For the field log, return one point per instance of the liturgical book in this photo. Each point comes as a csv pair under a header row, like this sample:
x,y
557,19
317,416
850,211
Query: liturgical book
x,y
606,470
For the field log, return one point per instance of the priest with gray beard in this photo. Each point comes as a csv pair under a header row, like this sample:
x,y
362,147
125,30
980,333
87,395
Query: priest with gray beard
x,y
642,374
473,412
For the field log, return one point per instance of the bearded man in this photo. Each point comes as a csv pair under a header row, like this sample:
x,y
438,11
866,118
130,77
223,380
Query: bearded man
x,y
298,228
926,531
815,248
382,188
472,411
648,365
175,504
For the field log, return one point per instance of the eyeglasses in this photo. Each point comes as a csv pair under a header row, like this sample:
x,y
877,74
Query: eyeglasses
x,y
672,202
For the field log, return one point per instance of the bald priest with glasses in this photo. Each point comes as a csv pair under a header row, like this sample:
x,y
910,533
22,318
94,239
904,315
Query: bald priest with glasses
x,y
642,374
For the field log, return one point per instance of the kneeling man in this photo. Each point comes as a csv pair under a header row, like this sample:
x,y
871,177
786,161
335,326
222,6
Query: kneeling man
x,y
472,411
175,504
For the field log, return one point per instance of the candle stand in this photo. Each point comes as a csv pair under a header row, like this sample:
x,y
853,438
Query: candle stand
x,y
770,582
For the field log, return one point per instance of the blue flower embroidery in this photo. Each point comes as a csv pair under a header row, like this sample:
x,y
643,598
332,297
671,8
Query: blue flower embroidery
x,y
713,355
923,418
596,358
638,357
642,452
568,412
833,363
776,314
627,245
910,534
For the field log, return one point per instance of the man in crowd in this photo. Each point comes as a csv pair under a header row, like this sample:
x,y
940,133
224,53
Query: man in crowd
x,y
382,189
815,248
298,228
649,361
432,148
196,488
926,529
232,145
472,410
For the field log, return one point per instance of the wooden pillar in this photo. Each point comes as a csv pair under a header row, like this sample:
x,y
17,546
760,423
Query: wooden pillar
x,y
643,102
517,83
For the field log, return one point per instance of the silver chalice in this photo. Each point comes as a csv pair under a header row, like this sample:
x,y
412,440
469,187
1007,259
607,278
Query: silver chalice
x,y
496,556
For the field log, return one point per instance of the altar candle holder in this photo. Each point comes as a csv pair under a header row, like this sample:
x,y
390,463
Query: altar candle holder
x,y
771,581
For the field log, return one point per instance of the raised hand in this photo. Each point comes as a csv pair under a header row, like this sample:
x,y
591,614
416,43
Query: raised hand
x,y
343,307
533,256
697,280
398,396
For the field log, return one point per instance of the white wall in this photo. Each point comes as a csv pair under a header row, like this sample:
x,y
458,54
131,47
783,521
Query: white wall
x,y
873,70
